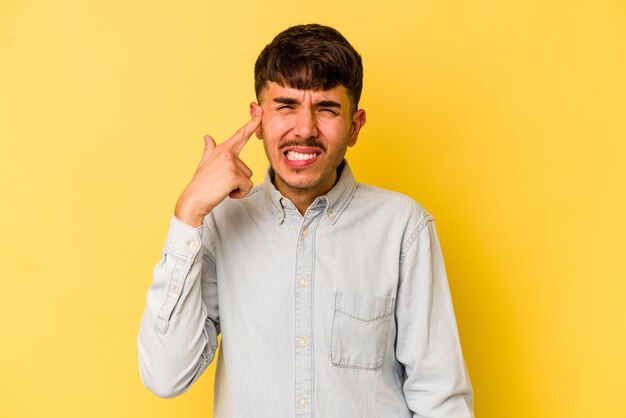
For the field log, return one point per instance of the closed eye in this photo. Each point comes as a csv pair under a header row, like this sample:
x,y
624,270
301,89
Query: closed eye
x,y
329,111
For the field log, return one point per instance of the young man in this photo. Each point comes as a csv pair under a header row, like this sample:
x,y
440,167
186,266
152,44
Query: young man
x,y
331,296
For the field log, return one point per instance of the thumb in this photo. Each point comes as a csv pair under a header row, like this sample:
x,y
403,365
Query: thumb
x,y
209,143
209,146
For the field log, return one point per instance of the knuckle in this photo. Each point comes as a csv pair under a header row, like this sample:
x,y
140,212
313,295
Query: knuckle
x,y
232,177
230,165
223,155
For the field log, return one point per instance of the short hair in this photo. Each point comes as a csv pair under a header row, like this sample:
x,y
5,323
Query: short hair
x,y
310,57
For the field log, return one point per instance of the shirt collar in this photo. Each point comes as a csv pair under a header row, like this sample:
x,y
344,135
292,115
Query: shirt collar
x,y
334,202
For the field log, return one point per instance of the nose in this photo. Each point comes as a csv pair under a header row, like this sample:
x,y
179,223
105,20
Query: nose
x,y
305,124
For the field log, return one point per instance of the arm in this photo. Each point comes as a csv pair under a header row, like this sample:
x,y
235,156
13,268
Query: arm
x,y
178,332
428,346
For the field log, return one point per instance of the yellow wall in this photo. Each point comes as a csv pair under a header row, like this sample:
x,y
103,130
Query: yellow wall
x,y
506,120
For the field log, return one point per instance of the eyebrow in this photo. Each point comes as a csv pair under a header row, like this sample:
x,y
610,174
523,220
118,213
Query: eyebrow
x,y
286,100
328,103
292,101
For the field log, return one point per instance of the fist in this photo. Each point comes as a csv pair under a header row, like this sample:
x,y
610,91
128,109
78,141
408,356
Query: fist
x,y
220,173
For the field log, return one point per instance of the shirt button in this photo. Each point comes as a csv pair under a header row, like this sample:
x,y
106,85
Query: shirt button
x,y
177,290
305,232
303,282
302,342
331,215
303,402
193,245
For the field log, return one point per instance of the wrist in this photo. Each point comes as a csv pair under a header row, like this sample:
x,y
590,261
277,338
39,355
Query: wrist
x,y
188,214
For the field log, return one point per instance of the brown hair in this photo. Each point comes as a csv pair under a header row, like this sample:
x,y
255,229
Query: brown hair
x,y
310,57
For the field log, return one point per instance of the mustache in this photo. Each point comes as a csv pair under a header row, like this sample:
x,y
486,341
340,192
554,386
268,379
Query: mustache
x,y
311,142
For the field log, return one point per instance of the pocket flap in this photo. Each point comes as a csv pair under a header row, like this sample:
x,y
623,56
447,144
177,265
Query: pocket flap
x,y
363,307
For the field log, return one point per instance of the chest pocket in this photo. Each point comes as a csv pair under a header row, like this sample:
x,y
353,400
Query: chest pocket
x,y
360,328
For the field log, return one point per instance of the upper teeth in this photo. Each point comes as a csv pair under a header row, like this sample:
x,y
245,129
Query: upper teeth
x,y
292,155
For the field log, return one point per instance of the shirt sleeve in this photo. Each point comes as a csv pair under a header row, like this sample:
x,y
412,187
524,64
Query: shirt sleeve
x,y
436,380
178,337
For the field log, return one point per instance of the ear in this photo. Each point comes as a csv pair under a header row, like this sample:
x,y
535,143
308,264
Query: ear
x,y
358,120
258,131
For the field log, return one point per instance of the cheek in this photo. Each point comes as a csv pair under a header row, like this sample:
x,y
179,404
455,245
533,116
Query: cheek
x,y
276,125
333,130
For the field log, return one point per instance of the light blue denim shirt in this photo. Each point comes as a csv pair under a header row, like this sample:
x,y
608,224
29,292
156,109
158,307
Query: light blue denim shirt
x,y
342,312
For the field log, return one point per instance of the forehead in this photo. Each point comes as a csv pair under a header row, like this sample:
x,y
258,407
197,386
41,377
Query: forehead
x,y
337,94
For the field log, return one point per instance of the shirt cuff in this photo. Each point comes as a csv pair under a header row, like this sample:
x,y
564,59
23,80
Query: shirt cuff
x,y
183,239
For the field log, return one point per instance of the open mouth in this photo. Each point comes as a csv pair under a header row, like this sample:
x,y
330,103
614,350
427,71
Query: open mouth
x,y
299,156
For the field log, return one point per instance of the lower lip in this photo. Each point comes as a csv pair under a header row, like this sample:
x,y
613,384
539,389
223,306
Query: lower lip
x,y
299,163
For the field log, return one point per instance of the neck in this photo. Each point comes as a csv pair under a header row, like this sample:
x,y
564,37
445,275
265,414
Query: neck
x,y
303,197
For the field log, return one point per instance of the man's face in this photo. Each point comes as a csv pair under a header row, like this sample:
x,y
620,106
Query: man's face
x,y
305,134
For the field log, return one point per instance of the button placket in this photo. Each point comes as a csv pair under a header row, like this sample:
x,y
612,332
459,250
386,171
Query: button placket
x,y
303,311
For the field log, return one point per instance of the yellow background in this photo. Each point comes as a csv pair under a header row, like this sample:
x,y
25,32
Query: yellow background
x,y
506,120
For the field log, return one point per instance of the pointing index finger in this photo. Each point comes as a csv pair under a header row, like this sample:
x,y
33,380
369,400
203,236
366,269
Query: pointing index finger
x,y
243,134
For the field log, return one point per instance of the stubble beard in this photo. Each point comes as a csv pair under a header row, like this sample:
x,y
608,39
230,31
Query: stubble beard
x,y
316,183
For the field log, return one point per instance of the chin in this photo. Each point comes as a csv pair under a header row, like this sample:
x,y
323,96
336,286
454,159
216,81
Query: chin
x,y
299,183
296,182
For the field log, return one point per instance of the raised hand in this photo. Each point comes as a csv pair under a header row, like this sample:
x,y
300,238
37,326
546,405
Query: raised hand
x,y
220,173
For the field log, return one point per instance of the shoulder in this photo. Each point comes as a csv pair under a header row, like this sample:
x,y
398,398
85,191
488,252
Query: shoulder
x,y
400,203
402,210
